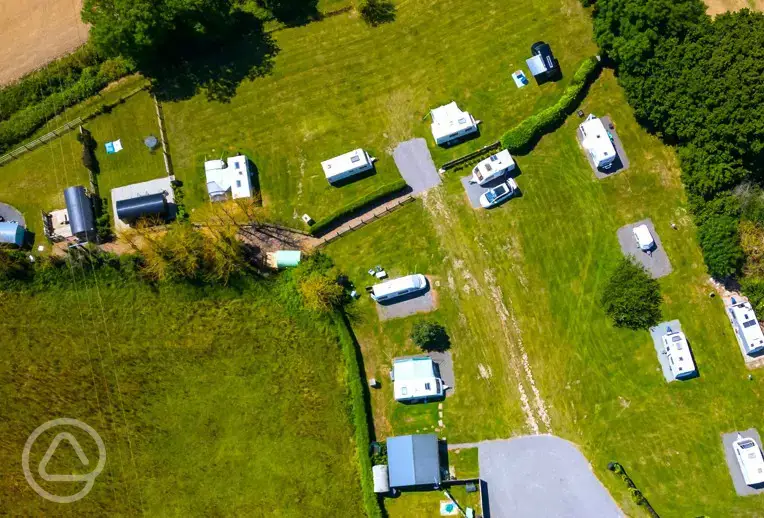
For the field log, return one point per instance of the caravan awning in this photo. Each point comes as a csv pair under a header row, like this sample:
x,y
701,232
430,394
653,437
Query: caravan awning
x,y
536,65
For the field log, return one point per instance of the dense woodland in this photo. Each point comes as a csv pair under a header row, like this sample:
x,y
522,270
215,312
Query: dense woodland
x,y
698,82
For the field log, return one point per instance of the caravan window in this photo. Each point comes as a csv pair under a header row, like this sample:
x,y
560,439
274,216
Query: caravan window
x,y
355,159
427,386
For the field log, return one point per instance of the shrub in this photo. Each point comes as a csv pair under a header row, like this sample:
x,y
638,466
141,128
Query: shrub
x,y
385,190
632,297
752,243
430,336
377,12
720,243
523,136
321,293
753,288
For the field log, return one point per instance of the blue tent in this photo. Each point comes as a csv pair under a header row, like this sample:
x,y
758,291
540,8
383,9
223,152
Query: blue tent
x,y
11,234
413,461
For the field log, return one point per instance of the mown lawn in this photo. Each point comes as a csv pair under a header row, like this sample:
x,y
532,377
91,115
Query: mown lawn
x,y
210,402
547,256
339,84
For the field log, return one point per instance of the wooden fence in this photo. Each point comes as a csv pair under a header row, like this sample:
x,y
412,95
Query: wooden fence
x,y
29,146
365,219
469,156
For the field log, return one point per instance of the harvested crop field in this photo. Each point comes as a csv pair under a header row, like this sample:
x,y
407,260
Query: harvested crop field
x,y
35,32
721,6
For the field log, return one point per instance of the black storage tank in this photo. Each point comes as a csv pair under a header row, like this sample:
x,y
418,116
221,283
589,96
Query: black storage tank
x,y
151,205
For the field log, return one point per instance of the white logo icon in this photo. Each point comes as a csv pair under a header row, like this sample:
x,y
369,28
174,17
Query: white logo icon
x,y
42,469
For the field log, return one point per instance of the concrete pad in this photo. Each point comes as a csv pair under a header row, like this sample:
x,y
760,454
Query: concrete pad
x,y
10,213
741,488
657,333
127,192
475,191
658,263
621,163
540,476
415,164
420,302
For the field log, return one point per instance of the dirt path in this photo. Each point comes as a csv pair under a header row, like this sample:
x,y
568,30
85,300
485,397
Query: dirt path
x,y
35,32
722,6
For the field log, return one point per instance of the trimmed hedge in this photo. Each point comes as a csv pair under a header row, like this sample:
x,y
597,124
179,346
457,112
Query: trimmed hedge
x,y
385,190
361,419
523,136
91,80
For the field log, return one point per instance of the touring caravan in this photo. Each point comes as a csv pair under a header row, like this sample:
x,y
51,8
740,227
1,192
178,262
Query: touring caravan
x,y
596,141
399,287
747,327
750,460
347,165
493,167
415,380
676,348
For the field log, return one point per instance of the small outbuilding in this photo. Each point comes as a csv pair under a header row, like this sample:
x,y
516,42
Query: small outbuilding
x,y
413,462
450,123
596,142
415,380
746,327
79,213
228,180
11,234
283,259
677,350
148,206
347,165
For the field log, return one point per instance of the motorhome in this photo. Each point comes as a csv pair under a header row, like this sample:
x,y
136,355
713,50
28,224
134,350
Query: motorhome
x,y
677,350
415,380
747,327
399,287
495,166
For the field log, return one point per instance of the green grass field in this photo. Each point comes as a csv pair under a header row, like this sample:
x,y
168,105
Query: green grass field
x,y
210,402
549,253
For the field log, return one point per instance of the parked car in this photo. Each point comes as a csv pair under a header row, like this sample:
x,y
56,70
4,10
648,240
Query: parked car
x,y
498,194
750,460
644,238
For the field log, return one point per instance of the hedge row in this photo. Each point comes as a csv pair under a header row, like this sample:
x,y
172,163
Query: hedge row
x,y
385,190
523,136
360,417
91,80
54,77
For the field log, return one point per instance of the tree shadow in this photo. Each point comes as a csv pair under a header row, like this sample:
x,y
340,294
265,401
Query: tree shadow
x,y
214,61
292,13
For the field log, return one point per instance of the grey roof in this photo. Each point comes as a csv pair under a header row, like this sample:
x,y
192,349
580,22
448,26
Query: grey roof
x,y
80,209
413,460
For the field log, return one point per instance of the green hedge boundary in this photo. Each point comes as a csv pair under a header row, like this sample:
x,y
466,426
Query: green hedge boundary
x,y
525,135
361,419
385,190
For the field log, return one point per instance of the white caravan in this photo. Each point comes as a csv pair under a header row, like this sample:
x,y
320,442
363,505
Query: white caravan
x,y
399,287
450,123
414,380
747,327
677,350
596,141
750,460
493,167
347,165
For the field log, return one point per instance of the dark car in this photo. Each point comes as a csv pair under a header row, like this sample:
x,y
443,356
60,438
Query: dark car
x,y
545,51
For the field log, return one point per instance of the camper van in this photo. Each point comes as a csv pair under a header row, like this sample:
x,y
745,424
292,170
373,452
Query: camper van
x,y
677,350
493,167
747,327
399,287
644,238
750,460
596,141
415,380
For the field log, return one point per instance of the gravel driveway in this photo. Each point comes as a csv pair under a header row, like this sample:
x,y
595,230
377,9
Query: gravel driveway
x,y
541,476
415,164
658,263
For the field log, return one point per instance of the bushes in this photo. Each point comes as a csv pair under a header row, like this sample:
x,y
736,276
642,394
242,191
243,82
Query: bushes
x,y
523,136
632,297
720,243
35,114
430,336
377,12
385,190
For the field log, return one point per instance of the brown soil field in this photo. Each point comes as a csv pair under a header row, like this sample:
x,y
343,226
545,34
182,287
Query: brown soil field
x,y
35,32
720,6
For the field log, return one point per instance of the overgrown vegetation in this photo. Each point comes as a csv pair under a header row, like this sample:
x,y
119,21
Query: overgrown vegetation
x,y
632,298
430,336
523,136
377,12
675,64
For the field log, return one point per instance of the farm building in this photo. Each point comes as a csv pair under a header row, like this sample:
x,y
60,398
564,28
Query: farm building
x,y
597,143
413,461
347,165
677,350
746,327
79,213
493,167
147,206
415,379
450,123
228,180
750,460
11,234
542,64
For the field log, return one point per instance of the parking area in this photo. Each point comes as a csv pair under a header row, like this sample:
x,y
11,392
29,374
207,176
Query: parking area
x,y
657,333
741,488
135,190
621,163
415,164
475,191
657,263
541,475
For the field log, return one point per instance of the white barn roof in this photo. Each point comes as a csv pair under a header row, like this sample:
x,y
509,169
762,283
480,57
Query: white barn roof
x,y
750,460
748,327
233,177
414,378
448,121
678,351
597,141
340,165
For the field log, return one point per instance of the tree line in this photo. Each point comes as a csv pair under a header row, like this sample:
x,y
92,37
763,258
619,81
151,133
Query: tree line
x,y
698,83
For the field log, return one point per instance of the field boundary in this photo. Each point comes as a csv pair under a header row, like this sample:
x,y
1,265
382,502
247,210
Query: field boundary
x,y
365,219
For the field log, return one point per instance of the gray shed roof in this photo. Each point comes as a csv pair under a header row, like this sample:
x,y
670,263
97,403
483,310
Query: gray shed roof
x,y
413,460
